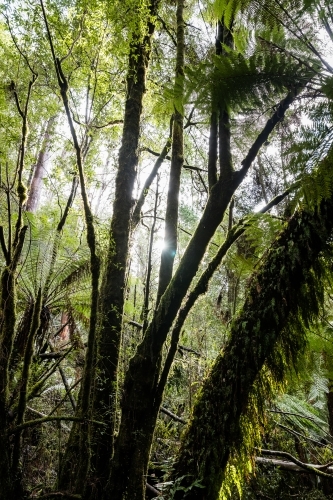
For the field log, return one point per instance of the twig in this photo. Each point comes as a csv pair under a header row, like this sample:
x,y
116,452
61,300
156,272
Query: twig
x,y
112,122
189,167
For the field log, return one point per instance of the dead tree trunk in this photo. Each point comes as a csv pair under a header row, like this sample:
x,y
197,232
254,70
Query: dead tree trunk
x,y
40,169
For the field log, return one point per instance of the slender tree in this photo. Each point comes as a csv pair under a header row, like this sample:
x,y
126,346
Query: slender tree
x,y
177,160
40,169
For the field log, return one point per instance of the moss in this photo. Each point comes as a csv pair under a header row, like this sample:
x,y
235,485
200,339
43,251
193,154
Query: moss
x,y
22,192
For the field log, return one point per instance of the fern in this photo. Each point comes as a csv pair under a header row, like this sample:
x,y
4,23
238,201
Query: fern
x,y
244,82
302,416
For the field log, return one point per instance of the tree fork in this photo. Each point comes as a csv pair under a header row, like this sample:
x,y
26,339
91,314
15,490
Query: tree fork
x,y
140,400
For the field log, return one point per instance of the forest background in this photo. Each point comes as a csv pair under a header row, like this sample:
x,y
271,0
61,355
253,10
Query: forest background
x,y
166,232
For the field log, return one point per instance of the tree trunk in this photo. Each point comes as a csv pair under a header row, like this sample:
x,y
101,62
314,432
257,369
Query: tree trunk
x,y
268,332
112,294
141,392
10,483
177,160
40,169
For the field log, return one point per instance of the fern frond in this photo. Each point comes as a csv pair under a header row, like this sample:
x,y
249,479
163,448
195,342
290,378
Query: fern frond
x,y
302,416
244,82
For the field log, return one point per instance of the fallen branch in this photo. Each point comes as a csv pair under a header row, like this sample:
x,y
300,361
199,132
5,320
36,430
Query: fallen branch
x,y
285,465
151,488
297,464
172,415
59,494
42,420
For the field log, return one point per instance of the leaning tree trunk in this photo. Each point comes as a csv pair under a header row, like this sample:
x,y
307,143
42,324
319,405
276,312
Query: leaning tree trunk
x,y
283,296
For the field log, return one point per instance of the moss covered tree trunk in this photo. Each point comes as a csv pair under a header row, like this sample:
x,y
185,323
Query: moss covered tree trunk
x,y
267,331
7,324
112,294
10,485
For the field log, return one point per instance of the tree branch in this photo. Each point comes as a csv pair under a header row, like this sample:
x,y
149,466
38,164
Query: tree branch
x,y
172,415
3,245
161,157
189,167
42,420
315,469
279,113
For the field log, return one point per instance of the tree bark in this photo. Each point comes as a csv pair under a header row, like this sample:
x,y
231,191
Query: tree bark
x,y
177,159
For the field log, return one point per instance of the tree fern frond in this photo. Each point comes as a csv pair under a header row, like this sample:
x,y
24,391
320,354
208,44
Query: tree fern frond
x,y
245,82
303,416
318,184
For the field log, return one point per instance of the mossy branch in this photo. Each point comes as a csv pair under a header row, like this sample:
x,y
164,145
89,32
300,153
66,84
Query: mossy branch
x,y
42,420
